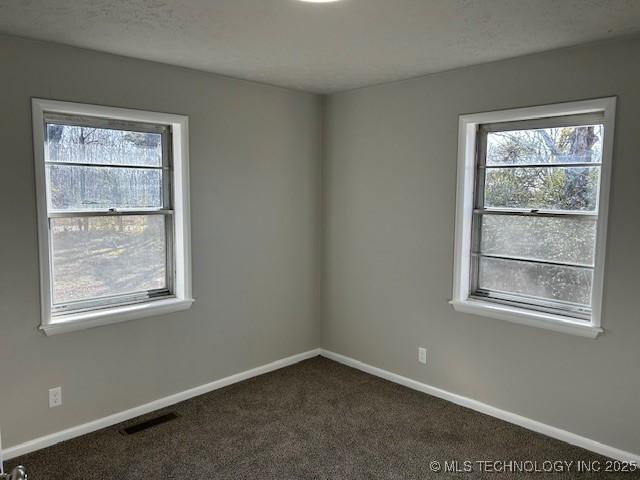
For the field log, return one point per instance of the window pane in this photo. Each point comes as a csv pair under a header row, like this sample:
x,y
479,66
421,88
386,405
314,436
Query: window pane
x,y
75,187
569,240
546,281
102,256
549,188
69,143
546,145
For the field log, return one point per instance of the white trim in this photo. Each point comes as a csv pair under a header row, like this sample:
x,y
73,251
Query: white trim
x,y
182,227
534,425
522,316
467,128
96,318
104,422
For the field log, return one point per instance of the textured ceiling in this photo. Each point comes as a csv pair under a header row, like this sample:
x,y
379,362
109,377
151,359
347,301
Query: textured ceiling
x,y
321,47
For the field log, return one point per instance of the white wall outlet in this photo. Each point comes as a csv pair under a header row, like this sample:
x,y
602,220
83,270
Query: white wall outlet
x,y
55,397
422,355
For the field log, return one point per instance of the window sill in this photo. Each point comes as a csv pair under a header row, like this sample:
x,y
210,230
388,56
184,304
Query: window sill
x,y
531,318
96,318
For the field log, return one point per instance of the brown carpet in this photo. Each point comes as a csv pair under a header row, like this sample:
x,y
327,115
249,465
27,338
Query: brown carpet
x,y
314,420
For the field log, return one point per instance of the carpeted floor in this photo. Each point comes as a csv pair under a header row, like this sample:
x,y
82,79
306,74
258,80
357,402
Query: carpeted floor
x,y
314,420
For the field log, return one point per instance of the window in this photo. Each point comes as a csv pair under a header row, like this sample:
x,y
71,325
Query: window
x,y
531,221
113,214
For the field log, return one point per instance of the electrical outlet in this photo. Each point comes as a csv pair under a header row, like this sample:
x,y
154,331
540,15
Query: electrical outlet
x,y
55,397
422,355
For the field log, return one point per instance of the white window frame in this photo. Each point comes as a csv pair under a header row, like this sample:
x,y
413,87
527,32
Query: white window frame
x,y
182,296
467,148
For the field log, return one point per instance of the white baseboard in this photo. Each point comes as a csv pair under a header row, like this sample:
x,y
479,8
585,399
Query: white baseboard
x,y
69,433
478,406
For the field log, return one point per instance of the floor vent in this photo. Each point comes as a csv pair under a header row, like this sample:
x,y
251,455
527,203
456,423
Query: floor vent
x,y
139,427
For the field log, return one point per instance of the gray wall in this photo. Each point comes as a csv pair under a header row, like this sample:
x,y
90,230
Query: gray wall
x,y
255,156
260,254
390,174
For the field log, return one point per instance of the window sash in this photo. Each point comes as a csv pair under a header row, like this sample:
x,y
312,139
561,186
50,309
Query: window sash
x,y
544,122
127,298
166,167
114,212
541,165
536,213
109,165
532,302
558,307
109,301
538,304
536,261
103,122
